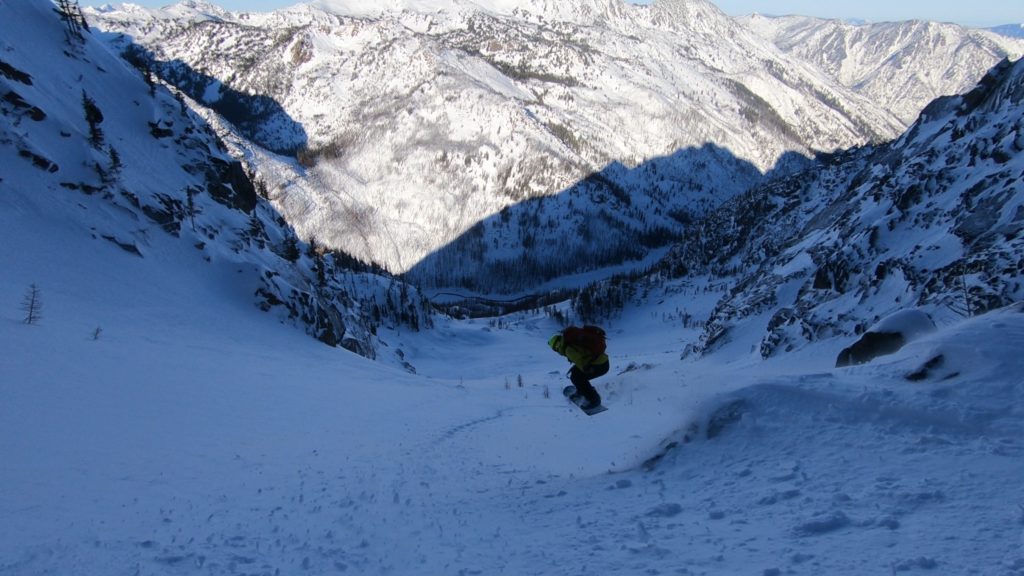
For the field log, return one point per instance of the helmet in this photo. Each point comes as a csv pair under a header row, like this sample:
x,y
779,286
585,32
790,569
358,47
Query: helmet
x,y
556,342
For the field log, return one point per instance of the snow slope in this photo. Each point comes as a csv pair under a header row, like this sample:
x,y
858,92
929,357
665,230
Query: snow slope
x,y
221,443
154,421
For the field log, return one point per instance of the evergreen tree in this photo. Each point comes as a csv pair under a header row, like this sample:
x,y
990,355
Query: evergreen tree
x,y
290,250
115,164
94,117
190,206
147,74
32,305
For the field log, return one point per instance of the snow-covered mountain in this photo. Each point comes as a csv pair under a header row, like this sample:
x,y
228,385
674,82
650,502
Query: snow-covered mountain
x,y
417,121
932,220
901,66
92,145
158,177
1011,30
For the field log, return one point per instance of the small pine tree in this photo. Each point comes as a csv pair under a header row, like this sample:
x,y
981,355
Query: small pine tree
x,y
182,106
94,117
147,74
968,310
261,188
32,305
190,205
113,171
290,249
963,305
115,160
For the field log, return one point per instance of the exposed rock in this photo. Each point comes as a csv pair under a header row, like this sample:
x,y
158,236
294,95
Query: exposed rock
x,y
870,346
886,337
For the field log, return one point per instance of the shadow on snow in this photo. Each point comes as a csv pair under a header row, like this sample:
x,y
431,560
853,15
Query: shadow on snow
x,y
258,117
612,221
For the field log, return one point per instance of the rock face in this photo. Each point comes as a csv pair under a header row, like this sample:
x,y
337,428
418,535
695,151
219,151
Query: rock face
x,y
870,346
932,220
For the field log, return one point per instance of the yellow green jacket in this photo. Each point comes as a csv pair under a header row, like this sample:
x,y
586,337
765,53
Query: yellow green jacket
x,y
578,356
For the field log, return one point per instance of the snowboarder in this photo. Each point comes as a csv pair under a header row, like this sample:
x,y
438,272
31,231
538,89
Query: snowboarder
x,y
585,348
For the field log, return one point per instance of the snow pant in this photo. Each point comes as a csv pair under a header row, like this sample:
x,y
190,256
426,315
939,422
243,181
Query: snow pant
x,y
581,380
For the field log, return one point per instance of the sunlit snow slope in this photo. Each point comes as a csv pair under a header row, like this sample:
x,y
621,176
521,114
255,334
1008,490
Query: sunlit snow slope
x,y
195,435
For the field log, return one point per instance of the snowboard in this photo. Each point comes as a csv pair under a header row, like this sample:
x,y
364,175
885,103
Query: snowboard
x,y
570,393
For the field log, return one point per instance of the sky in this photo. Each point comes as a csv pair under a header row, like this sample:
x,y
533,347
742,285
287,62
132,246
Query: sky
x,y
976,13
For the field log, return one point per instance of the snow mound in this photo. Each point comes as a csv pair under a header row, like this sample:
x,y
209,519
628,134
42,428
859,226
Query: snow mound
x,y
887,336
851,459
910,323
962,381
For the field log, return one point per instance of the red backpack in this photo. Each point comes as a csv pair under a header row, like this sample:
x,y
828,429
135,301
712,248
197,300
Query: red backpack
x,y
589,338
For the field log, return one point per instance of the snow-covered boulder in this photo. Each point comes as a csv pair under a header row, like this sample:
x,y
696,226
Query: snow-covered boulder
x,y
887,336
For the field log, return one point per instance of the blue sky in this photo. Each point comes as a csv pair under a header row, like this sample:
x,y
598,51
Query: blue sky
x,y
972,13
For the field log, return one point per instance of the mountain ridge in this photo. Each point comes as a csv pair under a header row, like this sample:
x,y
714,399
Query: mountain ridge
x,y
108,152
412,114
1011,30
905,64
932,220
823,237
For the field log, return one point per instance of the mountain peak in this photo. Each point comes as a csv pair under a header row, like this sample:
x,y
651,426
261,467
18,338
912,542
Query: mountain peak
x,y
1011,30
874,58
559,9
186,10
